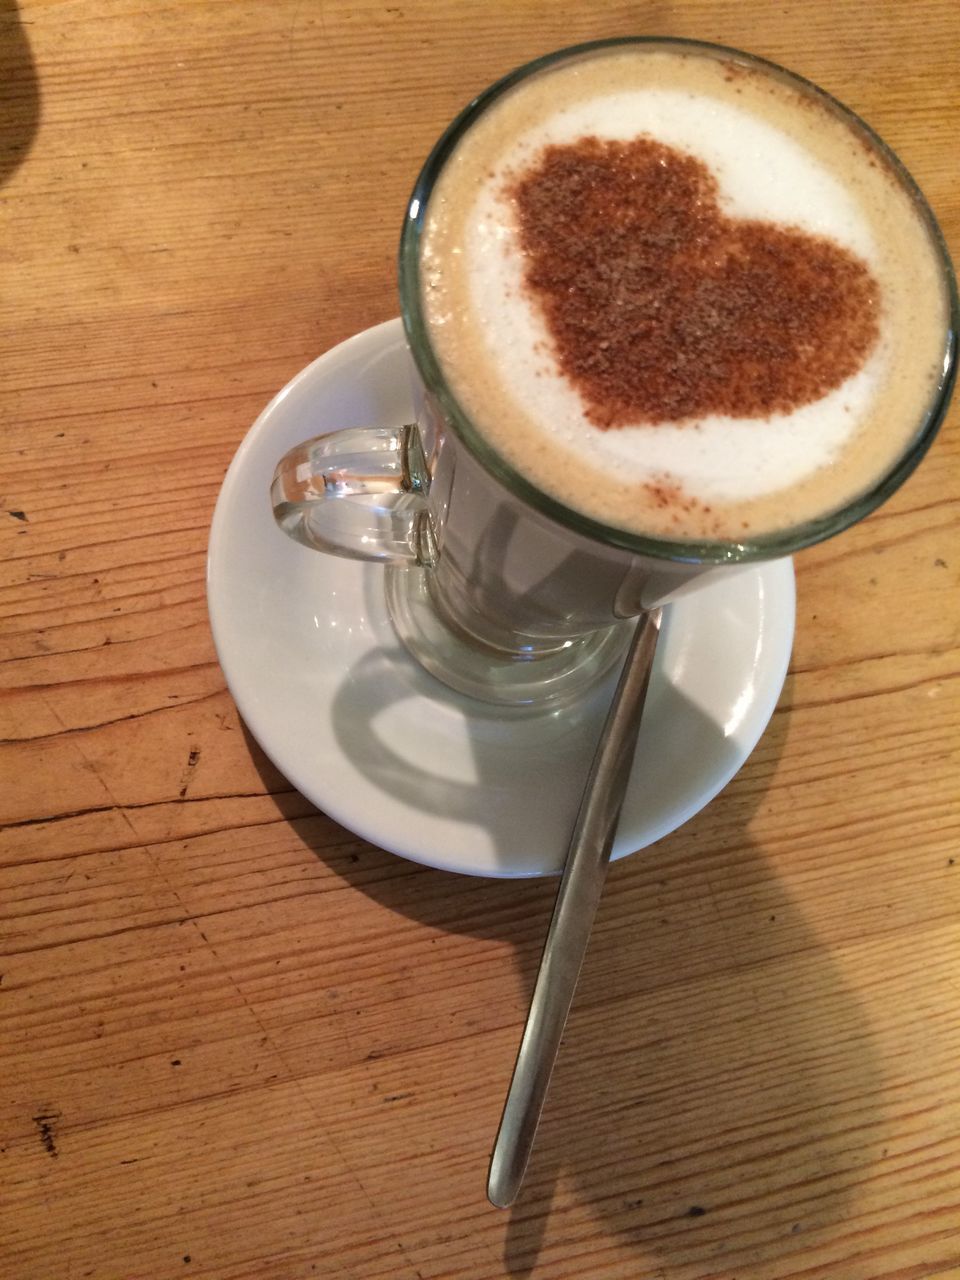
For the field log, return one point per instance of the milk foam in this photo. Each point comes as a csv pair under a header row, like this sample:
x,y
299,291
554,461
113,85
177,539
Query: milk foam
x,y
763,174
779,154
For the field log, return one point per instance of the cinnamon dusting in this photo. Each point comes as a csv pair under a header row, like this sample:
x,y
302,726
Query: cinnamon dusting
x,y
663,309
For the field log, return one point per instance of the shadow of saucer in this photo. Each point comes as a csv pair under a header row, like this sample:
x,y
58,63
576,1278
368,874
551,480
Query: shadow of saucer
x,y
713,1102
19,91
508,911
723,1062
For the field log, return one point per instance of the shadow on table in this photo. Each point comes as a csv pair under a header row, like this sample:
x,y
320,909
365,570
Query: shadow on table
x,y
704,1099
19,91
701,1102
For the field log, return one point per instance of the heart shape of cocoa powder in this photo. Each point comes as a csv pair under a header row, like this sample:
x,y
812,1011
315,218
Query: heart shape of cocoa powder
x,y
661,308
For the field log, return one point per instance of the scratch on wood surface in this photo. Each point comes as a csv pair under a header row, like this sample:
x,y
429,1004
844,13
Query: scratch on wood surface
x,y
46,1122
193,759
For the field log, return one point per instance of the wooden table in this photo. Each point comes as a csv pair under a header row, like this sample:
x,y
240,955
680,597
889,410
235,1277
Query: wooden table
x,y
236,1040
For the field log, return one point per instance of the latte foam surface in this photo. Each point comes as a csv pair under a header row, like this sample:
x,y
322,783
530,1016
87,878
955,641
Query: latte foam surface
x,y
775,157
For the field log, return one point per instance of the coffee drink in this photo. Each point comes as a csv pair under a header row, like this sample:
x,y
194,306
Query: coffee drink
x,y
685,295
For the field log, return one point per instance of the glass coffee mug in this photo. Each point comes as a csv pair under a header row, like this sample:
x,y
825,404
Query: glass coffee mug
x,y
496,587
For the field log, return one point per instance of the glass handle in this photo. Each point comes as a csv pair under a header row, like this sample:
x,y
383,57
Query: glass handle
x,y
359,493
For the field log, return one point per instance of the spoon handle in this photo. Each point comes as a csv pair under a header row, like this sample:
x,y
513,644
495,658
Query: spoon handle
x,y
581,885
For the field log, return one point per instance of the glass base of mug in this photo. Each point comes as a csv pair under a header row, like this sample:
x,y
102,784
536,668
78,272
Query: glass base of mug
x,y
547,680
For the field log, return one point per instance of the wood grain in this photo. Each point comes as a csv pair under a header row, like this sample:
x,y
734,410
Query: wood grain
x,y
236,1041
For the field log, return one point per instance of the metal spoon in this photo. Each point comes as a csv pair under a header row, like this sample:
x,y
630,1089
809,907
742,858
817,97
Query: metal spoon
x,y
578,897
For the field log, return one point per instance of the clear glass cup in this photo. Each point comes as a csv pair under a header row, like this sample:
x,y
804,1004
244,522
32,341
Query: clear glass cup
x,y
497,588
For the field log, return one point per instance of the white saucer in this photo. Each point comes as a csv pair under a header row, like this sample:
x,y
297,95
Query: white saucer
x,y
355,724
